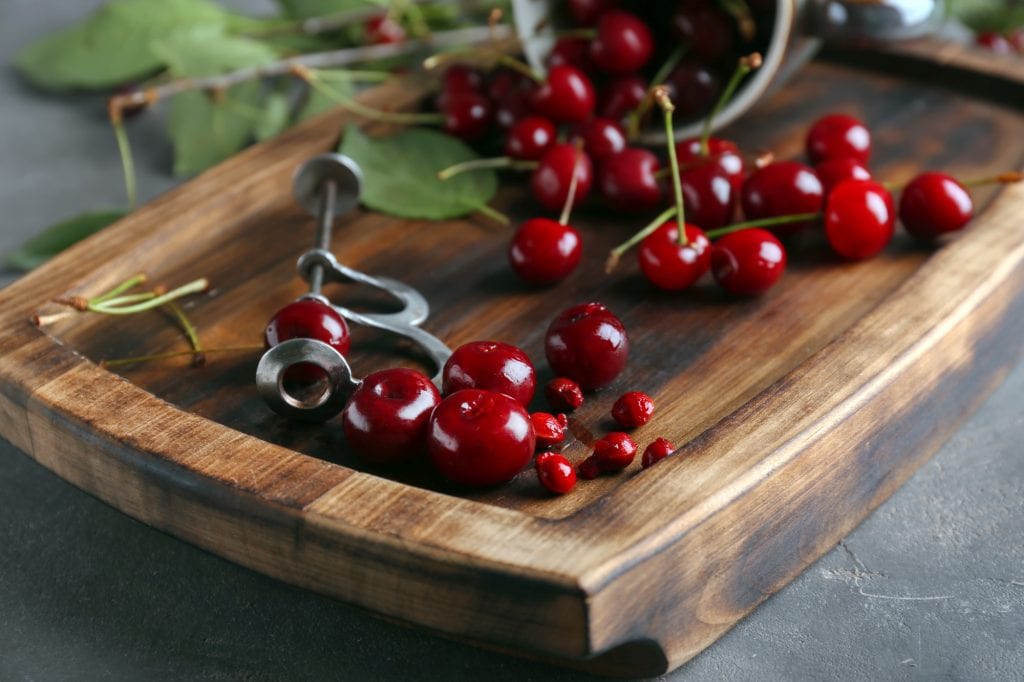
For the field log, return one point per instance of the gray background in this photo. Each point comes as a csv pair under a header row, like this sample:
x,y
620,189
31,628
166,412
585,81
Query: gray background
x,y
931,586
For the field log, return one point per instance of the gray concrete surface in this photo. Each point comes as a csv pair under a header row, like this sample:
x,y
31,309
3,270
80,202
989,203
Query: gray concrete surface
x,y
930,587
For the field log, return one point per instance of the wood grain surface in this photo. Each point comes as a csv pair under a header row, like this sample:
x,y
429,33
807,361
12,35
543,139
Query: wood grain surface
x,y
798,412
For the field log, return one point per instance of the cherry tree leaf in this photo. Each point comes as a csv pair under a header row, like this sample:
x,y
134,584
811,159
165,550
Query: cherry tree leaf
x,y
400,174
305,9
275,115
56,238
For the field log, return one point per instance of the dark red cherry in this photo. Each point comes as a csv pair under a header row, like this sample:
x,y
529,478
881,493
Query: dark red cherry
x,y
467,116
588,344
601,137
509,92
656,451
307,319
383,30
587,12
705,29
629,182
694,88
748,262
995,42
567,96
555,472
782,188
544,251
859,218
614,452
480,438
833,171
549,429
623,43
490,366
589,469
385,420
934,204
708,195
529,138
550,182
1016,38
564,395
633,409
456,81
668,265
838,136
620,96
723,153
571,52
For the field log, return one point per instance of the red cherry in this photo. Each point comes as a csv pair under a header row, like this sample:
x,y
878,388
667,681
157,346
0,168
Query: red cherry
x,y
467,115
838,136
656,451
708,195
747,262
934,204
668,265
563,394
544,251
601,137
529,138
550,431
588,344
550,182
555,472
567,96
859,219
722,153
633,409
694,88
620,96
995,42
623,43
587,12
307,318
705,29
614,452
571,52
589,469
509,92
458,80
490,366
479,438
833,171
385,420
782,188
1016,38
383,30
629,182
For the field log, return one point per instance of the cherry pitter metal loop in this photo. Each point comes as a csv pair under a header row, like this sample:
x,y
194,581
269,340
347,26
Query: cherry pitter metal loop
x,y
328,186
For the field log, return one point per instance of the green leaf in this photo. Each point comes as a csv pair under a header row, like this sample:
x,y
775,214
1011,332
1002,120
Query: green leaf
x,y
56,238
987,15
317,102
305,9
112,46
400,174
277,109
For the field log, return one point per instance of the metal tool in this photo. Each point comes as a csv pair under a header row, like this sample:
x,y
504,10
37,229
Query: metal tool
x,y
328,186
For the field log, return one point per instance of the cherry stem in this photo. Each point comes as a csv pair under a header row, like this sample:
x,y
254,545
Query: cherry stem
x,y
316,81
521,67
744,66
1007,178
636,116
199,358
124,149
661,95
740,12
762,222
124,286
483,164
176,354
616,253
494,214
570,198
109,307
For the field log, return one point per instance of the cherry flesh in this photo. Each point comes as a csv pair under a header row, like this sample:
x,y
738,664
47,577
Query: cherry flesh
x,y
838,136
567,96
614,452
623,43
633,409
479,438
588,344
658,450
934,204
563,395
782,188
490,366
550,182
385,420
669,265
549,429
529,138
748,262
307,319
629,182
555,472
833,171
544,251
859,219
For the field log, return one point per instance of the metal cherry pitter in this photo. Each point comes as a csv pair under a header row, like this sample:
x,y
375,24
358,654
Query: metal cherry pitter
x,y
328,186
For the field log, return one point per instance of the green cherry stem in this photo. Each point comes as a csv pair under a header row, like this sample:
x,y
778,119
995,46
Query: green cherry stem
x,y
177,354
618,251
198,357
494,214
124,150
743,67
193,287
1006,178
570,198
636,116
317,82
124,286
762,222
661,96
483,164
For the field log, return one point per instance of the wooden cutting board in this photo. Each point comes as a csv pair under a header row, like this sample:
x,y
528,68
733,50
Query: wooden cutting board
x,y
799,412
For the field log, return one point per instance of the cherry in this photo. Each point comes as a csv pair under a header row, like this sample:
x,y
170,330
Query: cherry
x,y
467,115
588,344
529,138
833,171
458,80
307,318
838,136
383,30
694,88
1016,38
747,262
385,420
587,12
571,52
614,452
708,194
782,188
706,29
567,96
623,43
549,429
859,219
601,137
555,472
620,96
479,438
563,394
722,153
934,204
658,450
633,409
588,468
551,180
995,42
669,265
544,251
490,366
509,92
629,182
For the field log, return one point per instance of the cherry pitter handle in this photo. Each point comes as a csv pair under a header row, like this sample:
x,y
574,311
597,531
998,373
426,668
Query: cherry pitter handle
x,y
328,186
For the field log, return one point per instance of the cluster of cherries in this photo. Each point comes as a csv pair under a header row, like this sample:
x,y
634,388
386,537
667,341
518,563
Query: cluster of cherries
x,y
1011,42
477,431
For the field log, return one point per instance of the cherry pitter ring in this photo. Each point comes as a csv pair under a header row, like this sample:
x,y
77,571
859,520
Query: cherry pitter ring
x,y
328,186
